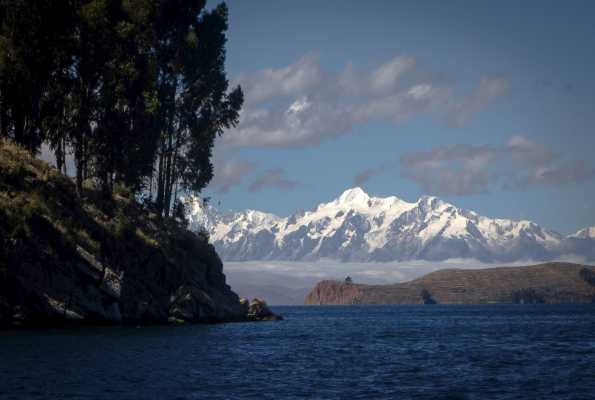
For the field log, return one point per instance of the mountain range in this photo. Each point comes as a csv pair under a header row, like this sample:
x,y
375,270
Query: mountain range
x,y
359,227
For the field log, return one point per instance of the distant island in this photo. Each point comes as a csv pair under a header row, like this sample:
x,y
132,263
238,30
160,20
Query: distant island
x,y
550,283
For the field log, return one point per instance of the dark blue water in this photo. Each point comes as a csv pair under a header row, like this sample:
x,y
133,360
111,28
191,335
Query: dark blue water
x,y
359,352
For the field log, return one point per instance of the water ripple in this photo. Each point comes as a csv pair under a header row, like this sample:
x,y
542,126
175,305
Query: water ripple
x,y
362,352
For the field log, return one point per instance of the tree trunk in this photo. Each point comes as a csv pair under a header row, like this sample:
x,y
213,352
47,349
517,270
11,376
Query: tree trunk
x,y
19,122
78,162
3,114
59,153
167,196
160,183
79,144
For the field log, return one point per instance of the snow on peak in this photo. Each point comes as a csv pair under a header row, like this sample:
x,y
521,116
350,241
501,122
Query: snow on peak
x,y
357,226
431,201
200,214
586,233
354,195
258,218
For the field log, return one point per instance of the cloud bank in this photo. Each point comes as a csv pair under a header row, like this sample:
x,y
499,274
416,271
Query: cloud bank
x,y
466,169
272,178
286,282
229,173
518,164
302,104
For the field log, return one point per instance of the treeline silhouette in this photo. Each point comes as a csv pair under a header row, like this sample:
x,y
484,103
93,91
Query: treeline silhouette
x,y
134,90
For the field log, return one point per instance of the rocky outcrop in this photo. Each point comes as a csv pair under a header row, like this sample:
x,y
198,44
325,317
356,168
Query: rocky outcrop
x,y
335,292
96,261
258,310
544,283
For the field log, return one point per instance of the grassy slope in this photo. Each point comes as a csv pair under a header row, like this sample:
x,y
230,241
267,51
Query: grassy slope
x,y
50,240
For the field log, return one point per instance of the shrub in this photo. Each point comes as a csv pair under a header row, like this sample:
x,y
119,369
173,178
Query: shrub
x,y
179,213
203,234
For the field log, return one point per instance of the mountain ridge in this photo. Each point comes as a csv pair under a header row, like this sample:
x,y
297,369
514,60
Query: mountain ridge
x,y
358,227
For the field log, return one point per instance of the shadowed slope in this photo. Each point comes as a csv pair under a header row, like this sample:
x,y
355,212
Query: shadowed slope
x,y
95,260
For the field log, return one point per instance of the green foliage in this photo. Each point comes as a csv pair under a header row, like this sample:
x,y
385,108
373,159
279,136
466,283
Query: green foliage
x,y
179,213
135,89
120,189
203,234
195,105
123,229
44,226
35,52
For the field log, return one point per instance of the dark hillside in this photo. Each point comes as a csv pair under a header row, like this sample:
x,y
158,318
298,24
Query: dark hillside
x,y
91,260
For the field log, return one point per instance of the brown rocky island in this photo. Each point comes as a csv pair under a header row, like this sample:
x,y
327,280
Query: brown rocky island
x,y
548,283
92,260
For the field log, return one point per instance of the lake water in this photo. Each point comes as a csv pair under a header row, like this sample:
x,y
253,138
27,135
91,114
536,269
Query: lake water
x,y
333,352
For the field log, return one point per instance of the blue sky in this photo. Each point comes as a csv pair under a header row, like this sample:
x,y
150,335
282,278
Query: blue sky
x,y
488,105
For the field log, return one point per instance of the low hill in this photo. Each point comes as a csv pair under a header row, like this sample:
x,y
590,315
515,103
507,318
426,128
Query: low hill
x,y
92,260
543,283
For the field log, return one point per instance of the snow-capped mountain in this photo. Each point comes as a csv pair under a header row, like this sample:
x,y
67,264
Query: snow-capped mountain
x,y
358,227
587,233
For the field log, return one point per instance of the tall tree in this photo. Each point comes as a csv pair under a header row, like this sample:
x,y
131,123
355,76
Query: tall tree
x,y
124,134
135,88
194,103
35,52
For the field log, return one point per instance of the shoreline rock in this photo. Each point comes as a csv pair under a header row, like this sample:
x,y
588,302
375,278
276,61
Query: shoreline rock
x,y
258,310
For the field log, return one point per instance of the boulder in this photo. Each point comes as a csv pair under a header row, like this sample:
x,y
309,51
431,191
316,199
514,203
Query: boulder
x,y
245,305
258,310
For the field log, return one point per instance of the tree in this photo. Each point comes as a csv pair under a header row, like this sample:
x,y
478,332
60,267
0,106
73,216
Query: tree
x,y
123,139
35,54
194,105
135,88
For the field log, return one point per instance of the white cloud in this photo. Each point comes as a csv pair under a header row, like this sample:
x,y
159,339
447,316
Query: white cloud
x,y
265,279
525,151
489,88
387,75
229,173
298,274
420,91
293,79
464,169
272,178
301,104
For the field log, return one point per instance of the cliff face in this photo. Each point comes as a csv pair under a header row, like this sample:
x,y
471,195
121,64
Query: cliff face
x,y
544,283
92,260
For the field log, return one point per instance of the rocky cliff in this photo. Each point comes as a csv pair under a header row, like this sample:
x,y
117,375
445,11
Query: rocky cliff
x,y
98,261
544,283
